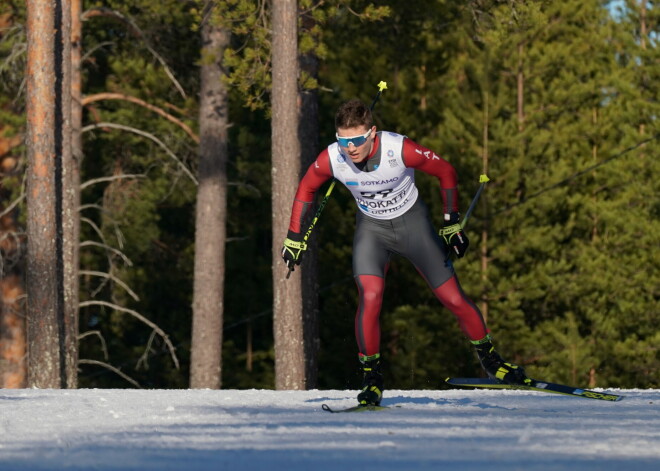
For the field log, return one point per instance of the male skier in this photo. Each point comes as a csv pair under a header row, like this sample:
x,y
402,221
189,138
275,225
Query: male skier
x,y
378,168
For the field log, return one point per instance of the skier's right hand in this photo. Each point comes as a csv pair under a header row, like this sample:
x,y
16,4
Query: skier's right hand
x,y
293,249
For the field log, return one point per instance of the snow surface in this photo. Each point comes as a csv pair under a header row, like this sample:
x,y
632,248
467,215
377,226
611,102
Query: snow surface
x,y
462,430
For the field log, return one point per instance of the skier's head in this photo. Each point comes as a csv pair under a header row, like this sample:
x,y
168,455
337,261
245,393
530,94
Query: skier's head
x,y
355,130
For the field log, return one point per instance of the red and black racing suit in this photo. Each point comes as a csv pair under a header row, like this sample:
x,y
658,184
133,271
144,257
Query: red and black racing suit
x,y
407,231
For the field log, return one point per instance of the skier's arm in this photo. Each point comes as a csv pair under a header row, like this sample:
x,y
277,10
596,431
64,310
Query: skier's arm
x,y
421,158
294,246
317,174
427,161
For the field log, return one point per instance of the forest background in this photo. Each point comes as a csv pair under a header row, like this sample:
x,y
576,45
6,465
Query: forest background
x,y
557,101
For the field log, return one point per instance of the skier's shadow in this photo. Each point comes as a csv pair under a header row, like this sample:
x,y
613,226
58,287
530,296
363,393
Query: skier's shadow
x,y
393,401
401,401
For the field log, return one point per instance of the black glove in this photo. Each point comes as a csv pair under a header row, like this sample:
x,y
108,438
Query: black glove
x,y
293,249
454,236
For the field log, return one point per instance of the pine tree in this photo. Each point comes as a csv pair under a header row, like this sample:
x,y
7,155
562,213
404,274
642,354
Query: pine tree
x,y
551,117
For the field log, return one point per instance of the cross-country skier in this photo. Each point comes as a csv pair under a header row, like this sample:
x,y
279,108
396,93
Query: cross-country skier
x,y
378,168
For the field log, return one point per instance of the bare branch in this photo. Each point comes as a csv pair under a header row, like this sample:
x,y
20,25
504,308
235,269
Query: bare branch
x,y
113,278
144,359
126,260
101,236
107,276
147,135
92,50
104,347
111,368
137,101
120,236
83,207
93,181
96,228
252,188
11,207
139,316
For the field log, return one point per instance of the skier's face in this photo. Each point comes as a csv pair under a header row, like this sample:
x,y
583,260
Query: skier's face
x,y
356,142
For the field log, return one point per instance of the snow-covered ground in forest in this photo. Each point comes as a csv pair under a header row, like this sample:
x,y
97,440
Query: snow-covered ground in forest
x,y
287,430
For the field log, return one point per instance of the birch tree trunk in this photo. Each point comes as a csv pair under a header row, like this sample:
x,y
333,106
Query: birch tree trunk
x,y
287,294
211,214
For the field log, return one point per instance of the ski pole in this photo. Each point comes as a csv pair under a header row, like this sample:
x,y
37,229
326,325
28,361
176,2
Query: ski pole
x,y
483,179
316,218
381,86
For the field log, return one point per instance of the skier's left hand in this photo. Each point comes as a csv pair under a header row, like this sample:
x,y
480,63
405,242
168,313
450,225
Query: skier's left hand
x,y
453,234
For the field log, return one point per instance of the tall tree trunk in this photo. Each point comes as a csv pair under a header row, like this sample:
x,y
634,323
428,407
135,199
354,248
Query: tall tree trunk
x,y
308,129
48,139
211,214
71,160
287,294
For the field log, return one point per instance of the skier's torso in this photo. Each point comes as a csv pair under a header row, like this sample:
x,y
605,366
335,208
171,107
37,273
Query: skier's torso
x,y
384,188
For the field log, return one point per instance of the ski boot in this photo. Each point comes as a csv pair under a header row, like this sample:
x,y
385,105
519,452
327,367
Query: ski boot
x,y
496,367
372,381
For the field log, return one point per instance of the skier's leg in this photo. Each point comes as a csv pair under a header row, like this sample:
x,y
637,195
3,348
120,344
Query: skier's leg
x,y
367,333
367,317
370,260
426,250
467,313
473,326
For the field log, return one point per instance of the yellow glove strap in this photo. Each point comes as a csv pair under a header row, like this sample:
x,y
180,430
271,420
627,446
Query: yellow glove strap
x,y
292,244
450,230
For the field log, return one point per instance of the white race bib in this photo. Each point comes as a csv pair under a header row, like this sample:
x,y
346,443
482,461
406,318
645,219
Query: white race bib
x,y
384,193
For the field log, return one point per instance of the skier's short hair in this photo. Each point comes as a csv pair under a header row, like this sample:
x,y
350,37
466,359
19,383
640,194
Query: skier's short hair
x,y
352,114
